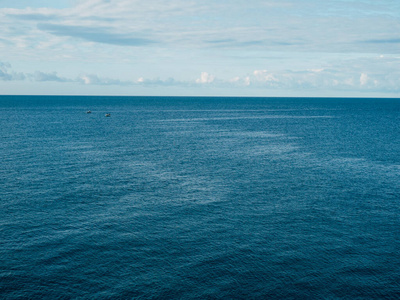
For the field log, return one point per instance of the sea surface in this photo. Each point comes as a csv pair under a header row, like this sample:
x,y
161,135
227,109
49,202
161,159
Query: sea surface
x,y
199,198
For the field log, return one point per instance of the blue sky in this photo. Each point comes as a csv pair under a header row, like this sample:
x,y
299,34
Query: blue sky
x,y
207,47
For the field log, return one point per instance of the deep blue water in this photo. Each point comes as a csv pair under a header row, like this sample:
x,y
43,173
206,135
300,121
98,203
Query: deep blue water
x,y
199,198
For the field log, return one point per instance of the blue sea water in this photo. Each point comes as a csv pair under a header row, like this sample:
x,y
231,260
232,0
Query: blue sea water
x,y
199,198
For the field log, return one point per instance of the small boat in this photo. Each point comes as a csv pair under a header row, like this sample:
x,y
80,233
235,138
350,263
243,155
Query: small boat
x,y
108,115
88,112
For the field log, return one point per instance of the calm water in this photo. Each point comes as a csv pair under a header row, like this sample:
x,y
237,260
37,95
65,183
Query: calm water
x,y
199,198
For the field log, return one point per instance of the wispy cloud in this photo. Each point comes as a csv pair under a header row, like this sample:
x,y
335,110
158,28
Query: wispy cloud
x,y
272,25
384,41
95,34
40,17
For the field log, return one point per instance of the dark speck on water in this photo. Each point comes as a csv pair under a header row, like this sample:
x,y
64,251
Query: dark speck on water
x,y
199,198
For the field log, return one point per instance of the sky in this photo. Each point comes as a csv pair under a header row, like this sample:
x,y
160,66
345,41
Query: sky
x,y
285,48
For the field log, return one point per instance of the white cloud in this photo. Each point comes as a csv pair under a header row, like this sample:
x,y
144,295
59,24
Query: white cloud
x,y
363,79
205,78
235,79
316,70
92,79
86,79
264,76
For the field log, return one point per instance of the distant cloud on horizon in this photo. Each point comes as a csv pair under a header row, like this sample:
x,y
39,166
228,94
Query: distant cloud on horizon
x,y
261,79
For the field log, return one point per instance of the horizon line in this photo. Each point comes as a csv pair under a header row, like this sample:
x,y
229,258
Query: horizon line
x,y
198,96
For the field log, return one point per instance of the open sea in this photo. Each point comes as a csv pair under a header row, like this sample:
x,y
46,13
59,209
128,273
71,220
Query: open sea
x,y
199,198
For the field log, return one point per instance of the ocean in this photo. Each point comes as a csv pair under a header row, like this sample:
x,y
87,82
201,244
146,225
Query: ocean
x,y
199,198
